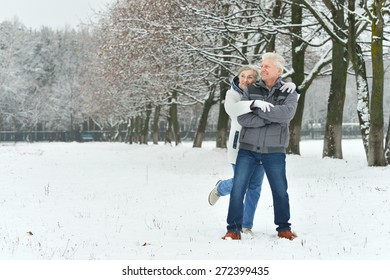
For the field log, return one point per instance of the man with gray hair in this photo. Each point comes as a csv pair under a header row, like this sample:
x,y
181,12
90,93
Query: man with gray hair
x,y
263,141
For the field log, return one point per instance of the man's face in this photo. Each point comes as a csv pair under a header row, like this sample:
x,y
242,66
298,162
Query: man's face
x,y
246,78
269,72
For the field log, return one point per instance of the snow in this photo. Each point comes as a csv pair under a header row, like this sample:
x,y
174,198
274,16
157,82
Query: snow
x,y
114,201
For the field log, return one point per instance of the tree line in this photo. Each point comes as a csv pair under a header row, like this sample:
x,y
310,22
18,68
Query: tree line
x,y
150,65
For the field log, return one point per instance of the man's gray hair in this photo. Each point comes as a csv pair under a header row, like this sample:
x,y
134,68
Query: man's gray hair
x,y
276,58
254,68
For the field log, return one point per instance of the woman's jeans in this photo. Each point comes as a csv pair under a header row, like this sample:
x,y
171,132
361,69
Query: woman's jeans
x,y
252,195
274,165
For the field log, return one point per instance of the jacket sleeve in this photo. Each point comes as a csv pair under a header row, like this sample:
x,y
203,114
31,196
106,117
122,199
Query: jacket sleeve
x,y
233,105
281,113
250,119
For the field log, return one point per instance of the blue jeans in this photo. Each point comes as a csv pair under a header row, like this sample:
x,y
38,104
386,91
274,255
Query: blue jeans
x,y
275,168
252,195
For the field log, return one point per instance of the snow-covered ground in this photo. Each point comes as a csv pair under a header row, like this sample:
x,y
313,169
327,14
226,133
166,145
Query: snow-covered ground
x,y
114,201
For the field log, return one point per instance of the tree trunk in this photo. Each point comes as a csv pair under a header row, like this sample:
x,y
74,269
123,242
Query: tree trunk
x,y
169,132
359,66
223,118
200,132
145,126
298,64
334,119
175,120
128,132
156,130
387,146
122,127
133,131
72,132
173,123
375,147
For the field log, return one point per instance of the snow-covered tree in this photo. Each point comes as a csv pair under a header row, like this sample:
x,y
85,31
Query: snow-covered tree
x,y
230,34
146,63
21,99
360,15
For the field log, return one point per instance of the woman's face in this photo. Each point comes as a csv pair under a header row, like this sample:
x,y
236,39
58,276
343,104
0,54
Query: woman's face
x,y
246,78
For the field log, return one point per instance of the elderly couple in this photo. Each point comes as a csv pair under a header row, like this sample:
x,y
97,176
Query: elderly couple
x,y
260,109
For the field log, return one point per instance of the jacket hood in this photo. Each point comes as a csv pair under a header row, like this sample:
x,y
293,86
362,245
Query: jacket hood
x,y
235,85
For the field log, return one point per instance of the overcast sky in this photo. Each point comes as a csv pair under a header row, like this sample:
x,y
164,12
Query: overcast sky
x,y
52,13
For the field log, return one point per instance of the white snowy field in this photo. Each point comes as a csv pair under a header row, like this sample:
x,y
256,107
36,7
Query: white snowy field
x,y
114,201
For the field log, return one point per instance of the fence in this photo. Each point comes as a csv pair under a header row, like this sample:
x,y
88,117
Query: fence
x,y
313,132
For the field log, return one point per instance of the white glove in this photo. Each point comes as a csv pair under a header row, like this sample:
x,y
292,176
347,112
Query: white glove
x,y
289,87
263,105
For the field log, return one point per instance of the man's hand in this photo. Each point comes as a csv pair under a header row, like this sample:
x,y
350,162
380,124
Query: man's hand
x,y
289,87
264,106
